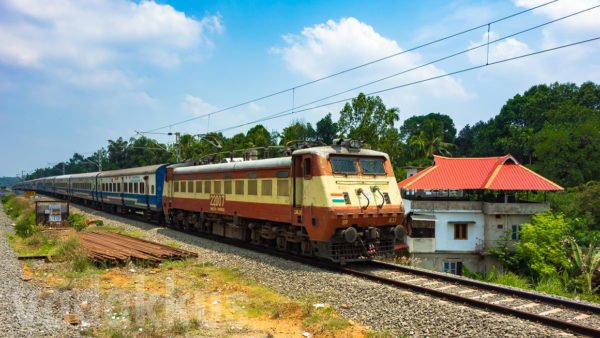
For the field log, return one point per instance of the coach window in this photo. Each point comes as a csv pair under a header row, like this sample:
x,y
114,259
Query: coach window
x,y
125,187
307,168
217,187
252,187
207,187
142,187
190,186
198,186
176,186
152,189
183,186
283,188
239,187
227,186
136,187
118,187
267,187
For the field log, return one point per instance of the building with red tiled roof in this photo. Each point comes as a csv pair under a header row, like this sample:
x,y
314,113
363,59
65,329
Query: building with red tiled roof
x,y
459,208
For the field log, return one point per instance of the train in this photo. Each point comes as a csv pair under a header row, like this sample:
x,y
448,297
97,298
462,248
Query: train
x,y
340,202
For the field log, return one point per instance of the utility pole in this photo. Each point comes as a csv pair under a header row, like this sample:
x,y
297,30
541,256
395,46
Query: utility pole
x,y
178,146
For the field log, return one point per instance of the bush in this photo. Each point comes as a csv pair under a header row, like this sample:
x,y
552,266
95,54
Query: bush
x,y
77,221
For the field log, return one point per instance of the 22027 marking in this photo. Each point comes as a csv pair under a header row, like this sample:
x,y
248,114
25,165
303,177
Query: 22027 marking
x,y
217,200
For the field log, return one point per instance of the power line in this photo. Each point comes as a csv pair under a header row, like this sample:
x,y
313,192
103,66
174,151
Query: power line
x,y
284,112
414,82
354,68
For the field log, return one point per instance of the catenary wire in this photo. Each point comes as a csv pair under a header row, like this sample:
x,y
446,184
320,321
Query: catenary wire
x,y
352,68
413,83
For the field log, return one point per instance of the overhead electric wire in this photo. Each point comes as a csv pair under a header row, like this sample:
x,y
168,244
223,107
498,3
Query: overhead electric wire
x,y
352,68
414,83
295,108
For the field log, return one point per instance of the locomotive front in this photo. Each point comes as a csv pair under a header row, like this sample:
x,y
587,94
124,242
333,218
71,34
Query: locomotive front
x,y
347,200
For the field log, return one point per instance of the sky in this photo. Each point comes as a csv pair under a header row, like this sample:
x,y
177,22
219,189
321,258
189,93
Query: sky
x,y
75,74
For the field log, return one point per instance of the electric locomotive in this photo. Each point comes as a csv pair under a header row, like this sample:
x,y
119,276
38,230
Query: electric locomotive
x,y
337,202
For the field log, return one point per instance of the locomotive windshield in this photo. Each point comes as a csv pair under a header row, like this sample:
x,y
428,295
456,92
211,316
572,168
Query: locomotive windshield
x,y
350,165
371,166
344,165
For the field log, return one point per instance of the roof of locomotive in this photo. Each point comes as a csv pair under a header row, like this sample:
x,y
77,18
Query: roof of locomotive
x,y
326,151
278,162
149,169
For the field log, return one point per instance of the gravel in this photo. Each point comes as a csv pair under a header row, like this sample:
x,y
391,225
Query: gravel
x,y
28,310
380,308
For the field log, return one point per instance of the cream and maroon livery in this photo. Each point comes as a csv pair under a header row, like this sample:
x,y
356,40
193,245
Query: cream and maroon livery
x,y
336,202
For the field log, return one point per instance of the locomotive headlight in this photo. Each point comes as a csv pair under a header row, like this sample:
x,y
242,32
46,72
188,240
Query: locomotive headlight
x,y
350,234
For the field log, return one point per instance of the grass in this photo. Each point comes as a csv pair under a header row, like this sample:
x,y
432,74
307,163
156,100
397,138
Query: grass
x,y
117,230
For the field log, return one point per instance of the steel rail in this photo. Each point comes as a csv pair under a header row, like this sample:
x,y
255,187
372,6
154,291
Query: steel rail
x,y
591,308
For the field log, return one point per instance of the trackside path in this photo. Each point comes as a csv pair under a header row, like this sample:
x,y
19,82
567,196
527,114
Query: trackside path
x,y
22,312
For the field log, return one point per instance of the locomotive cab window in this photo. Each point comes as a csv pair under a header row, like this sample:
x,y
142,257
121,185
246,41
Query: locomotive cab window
x,y
371,166
343,165
307,168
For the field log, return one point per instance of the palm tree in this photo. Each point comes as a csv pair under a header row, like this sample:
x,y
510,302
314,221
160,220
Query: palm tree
x,y
430,141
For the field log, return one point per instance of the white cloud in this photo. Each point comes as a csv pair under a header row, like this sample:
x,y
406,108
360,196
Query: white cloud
x,y
578,27
333,46
196,105
91,42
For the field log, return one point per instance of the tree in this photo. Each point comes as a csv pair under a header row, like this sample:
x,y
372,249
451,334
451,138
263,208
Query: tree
x,y
117,153
415,124
258,136
429,141
366,118
326,129
298,131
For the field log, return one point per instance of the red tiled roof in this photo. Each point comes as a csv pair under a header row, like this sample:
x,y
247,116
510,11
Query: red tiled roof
x,y
491,173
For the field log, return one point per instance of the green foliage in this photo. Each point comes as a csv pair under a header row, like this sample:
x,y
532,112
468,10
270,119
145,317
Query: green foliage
x,y
585,264
297,131
555,128
512,279
77,221
542,248
20,209
327,130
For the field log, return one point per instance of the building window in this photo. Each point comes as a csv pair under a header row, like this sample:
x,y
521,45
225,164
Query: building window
x,y
460,231
500,226
239,187
515,233
267,187
453,267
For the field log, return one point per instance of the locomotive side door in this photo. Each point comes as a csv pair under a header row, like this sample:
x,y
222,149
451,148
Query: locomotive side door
x,y
297,189
169,182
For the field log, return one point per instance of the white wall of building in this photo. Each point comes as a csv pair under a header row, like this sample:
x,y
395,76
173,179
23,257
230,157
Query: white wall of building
x,y
444,230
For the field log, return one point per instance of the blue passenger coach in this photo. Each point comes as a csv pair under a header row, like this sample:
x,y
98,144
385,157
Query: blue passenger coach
x,y
132,190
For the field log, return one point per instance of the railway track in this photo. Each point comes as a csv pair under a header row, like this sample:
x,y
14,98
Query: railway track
x,y
568,315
